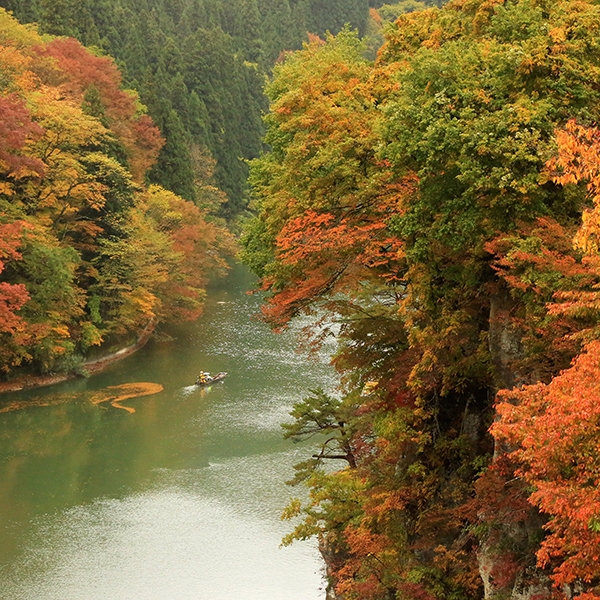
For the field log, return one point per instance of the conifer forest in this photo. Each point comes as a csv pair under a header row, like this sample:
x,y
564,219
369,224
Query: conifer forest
x,y
420,178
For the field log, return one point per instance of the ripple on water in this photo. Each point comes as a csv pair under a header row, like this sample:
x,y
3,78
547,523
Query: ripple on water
x,y
199,519
199,534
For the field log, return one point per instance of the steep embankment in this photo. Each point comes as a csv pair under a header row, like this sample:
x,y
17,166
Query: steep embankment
x,y
415,202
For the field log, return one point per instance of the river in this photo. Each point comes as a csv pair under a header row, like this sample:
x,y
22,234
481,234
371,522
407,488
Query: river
x,y
178,500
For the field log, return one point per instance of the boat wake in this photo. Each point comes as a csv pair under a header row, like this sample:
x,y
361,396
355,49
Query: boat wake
x,y
194,391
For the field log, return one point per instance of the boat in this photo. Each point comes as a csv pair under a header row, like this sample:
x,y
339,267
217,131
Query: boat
x,y
210,379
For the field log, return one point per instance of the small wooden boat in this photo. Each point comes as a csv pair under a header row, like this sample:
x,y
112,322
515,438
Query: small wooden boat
x,y
210,379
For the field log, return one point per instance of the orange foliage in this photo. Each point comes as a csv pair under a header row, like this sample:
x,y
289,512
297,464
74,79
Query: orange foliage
x,y
543,270
556,430
194,241
12,296
330,254
375,16
579,160
552,431
79,71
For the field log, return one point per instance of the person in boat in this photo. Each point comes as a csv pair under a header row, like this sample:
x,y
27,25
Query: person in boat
x,y
204,377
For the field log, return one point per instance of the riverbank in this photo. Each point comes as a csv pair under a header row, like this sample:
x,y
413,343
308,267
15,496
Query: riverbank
x,y
90,367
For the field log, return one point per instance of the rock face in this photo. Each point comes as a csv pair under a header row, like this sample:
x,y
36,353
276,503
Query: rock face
x,y
523,582
333,560
504,341
502,579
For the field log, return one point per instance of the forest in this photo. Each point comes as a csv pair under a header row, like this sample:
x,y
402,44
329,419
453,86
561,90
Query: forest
x,y
199,68
90,255
421,178
437,211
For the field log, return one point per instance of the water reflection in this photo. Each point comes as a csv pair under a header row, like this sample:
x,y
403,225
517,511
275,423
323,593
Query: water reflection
x,y
179,499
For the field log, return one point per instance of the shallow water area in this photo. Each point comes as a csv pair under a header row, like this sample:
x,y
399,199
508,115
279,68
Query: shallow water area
x,y
178,500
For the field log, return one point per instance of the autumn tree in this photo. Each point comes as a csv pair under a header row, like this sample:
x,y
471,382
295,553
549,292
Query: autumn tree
x,y
438,234
13,297
550,428
319,211
553,428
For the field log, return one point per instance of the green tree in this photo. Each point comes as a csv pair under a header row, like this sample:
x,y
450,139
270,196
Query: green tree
x,y
326,16
59,18
173,168
322,415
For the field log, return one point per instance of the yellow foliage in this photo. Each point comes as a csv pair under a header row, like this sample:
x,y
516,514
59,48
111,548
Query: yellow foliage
x,y
587,238
5,188
558,35
64,122
13,34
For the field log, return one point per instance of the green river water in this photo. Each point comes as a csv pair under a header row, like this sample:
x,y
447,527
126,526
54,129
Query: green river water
x,y
179,500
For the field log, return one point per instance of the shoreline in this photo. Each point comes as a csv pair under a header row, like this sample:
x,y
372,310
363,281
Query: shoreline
x,y
28,382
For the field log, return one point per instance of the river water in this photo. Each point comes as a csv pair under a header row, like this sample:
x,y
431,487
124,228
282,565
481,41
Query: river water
x,y
178,500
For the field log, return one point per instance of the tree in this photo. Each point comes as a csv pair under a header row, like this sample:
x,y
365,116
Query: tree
x,y
200,244
12,296
16,129
439,234
86,74
324,16
321,415
320,213
551,428
55,308
86,260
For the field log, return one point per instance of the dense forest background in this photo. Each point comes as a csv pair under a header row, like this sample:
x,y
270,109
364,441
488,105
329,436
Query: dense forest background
x,y
200,68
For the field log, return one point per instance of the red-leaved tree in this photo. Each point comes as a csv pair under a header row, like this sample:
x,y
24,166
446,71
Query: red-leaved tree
x,y
12,296
552,430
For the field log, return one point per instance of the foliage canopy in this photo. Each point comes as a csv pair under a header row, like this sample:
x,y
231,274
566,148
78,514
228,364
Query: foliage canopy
x,y
421,203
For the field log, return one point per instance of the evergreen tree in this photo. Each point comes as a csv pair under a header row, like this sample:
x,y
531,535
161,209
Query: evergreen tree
x,y
276,25
58,17
26,12
332,16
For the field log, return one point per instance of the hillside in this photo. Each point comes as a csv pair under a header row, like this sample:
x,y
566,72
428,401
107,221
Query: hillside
x,y
199,66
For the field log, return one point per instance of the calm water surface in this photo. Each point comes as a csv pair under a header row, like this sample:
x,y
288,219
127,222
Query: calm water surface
x,y
179,500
